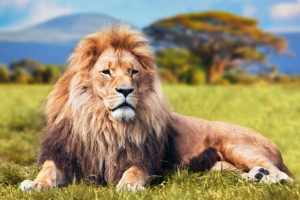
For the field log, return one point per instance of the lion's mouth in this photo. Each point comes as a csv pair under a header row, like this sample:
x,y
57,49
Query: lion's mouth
x,y
123,105
123,112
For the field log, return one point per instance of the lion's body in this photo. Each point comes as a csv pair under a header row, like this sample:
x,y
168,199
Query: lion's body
x,y
107,120
201,143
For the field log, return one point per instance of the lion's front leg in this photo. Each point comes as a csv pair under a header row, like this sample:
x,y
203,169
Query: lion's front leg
x,y
133,179
48,177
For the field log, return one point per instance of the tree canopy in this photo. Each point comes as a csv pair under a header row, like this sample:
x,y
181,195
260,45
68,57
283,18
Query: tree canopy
x,y
28,65
220,39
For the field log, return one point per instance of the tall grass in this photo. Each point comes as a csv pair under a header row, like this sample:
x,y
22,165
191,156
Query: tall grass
x,y
274,111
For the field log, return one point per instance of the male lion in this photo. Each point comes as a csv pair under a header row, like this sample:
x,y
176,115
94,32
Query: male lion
x,y
107,120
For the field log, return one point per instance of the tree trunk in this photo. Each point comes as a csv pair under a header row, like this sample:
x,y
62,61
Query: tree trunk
x,y
209,74
220,67
214,70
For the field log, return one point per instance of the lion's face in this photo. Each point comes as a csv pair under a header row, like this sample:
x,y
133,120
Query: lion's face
x,y
116,79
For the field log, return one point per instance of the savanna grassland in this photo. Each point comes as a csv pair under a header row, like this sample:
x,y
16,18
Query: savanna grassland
x,y
273,110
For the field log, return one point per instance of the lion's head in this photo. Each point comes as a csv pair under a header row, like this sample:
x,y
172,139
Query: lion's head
x,y
118,66
110,86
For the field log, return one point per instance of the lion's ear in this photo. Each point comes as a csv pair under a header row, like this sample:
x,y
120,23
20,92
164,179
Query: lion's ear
x,y
86,53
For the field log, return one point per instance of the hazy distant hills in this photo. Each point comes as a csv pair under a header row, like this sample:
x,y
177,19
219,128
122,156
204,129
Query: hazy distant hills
x,y
54,40
61,29
51,41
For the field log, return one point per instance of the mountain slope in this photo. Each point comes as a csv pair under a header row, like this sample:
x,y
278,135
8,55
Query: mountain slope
x,y
51,41
61,29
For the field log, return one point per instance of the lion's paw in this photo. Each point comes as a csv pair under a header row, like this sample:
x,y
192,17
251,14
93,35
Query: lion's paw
x,y
262,174
28,185
132,188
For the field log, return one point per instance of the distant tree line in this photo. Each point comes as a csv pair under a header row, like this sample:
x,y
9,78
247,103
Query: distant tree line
x,y
179,65
175,65
30,71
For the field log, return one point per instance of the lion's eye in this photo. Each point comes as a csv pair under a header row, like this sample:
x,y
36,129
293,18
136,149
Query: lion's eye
x,y
134,72
107,72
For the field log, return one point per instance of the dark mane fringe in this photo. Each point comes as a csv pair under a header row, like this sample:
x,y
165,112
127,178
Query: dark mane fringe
x,y
73,159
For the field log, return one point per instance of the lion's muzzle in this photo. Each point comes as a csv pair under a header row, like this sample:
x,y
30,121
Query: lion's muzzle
x,y
124,111
123,105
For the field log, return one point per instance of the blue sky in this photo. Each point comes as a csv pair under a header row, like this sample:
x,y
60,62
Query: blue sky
x,y
274,15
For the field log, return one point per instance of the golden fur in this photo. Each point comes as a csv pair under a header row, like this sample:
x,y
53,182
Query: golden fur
x,y
89,136
77,98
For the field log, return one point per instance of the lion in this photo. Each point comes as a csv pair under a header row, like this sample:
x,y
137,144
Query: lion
x,y
108,121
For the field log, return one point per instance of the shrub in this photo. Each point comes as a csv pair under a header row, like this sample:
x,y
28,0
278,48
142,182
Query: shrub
x,y
235,78
31,71
283,79
4,74
51,74
38,75
179,65
21,76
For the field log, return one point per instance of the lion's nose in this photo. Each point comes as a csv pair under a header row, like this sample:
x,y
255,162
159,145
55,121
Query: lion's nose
x,y
125,92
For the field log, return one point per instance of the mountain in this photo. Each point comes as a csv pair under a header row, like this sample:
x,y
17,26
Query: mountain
x,y
61,29
51,41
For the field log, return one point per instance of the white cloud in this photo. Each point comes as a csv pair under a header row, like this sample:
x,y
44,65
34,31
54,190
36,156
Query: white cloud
x,y
240,1
38,11
249,10
13,3
284,29
43,10
285,10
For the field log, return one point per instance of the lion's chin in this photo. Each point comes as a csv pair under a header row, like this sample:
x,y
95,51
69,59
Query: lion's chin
x,y
124,114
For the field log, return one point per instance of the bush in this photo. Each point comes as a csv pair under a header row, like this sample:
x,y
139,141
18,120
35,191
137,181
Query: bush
x,y
193,75
51,74
21,76
177,65
4,74
38,75
283,79
31,71
235,78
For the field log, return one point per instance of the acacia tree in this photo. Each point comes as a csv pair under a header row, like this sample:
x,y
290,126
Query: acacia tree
x,y
220,39
28,65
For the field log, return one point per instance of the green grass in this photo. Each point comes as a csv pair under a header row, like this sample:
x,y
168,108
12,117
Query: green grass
x,y
274,111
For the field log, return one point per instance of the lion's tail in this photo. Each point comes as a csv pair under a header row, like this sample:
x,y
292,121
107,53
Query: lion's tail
x,y
287,171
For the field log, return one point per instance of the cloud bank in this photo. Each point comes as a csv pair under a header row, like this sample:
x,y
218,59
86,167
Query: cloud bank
x,y
285,10
249,10
38,11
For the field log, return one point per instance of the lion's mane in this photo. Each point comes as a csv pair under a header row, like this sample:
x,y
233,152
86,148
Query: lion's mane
x,y
81,138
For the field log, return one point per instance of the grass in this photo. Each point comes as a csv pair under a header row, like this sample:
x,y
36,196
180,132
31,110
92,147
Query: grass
x,y
274,111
